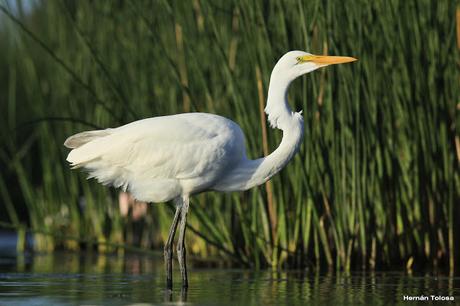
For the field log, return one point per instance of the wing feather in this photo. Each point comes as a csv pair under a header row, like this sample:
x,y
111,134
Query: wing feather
x,y
160,149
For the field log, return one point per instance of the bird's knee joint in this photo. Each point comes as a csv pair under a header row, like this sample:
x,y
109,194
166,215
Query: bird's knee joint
x,y
180,249
167,251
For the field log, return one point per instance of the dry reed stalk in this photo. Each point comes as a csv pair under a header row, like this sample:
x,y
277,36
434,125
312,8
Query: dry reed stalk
x,y
268,185
458,27
182,67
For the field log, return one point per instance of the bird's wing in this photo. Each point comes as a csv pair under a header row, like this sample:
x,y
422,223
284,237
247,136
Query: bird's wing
x,y
177,147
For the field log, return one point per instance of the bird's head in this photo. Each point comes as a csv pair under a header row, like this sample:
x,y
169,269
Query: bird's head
x,y
296,63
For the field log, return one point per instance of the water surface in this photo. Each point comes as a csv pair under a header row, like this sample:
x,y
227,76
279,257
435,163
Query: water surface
x,y
90,279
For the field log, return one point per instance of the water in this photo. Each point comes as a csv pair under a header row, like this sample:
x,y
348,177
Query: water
x,y
85,279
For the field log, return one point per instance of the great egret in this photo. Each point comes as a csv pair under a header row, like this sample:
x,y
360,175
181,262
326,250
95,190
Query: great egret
x,y
173,157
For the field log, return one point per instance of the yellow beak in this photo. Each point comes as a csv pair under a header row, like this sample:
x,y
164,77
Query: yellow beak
x,y
326,59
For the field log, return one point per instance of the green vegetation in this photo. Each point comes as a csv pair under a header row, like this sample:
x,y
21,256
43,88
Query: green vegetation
x,y
376,181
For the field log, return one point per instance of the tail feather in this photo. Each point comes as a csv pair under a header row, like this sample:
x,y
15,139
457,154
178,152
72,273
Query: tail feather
x,y
86,146
82,138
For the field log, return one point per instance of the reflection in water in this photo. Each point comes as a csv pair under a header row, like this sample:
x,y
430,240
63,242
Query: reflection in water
x,y
116,280
182,296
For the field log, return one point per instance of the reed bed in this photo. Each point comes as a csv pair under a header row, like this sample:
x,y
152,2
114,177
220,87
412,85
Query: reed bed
x,y
376,182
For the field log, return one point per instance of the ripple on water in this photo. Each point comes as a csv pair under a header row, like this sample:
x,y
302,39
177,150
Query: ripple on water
x,y
70,279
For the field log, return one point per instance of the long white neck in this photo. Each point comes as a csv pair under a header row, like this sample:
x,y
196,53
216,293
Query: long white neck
x,y
250,173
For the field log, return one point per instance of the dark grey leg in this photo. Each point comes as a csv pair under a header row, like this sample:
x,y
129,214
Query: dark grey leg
x,y
168,249
181,243
183,294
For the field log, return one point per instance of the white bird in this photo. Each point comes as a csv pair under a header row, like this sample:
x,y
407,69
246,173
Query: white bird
x,y
173,157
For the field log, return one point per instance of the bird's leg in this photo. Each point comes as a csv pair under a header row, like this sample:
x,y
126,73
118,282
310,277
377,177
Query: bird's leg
x,y
181,243
183,294
168,249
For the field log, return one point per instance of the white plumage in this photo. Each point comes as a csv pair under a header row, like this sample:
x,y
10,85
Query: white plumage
x,y
161,158
172,157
